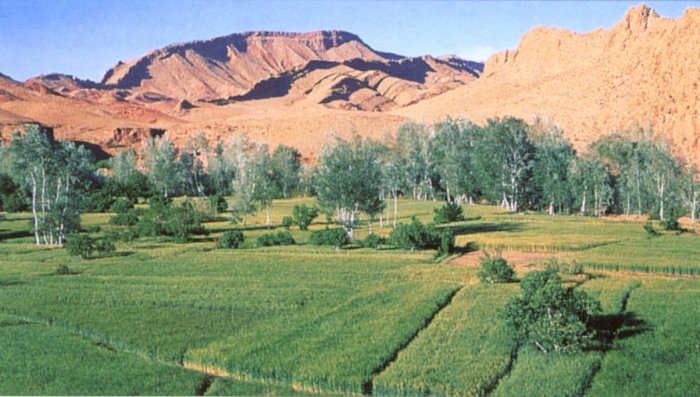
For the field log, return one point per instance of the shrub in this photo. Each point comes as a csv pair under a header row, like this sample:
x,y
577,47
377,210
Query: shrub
x,y
416,235
495,270
122,206
303,215
549,316
371,241
62,270
671,224
80,245
14,202
279,238
129,218
450,212
649,228
217,203
104,246
336,237
287,222
564,266
231,239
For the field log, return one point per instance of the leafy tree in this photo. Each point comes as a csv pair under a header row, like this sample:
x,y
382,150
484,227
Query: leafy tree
x,y
504,159
58,175
416,235
592,184
240,157
123,165
286,169
551,317
163,170
453,153
221,173
450,212
302,215
104,246
371,241
550,171
495,270
349,180
287,222
689,192
265,189
192,162
413,147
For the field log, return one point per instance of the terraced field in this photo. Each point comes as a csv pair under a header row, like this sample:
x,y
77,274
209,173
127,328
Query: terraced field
x,y
166,318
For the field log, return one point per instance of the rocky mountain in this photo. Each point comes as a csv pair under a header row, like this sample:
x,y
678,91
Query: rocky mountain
x,y
640,73
293,88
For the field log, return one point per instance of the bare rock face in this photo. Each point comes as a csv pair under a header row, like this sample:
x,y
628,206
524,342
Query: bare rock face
x,y
641,73
236,65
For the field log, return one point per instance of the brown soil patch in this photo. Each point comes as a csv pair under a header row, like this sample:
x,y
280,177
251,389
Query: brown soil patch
x,y
519,260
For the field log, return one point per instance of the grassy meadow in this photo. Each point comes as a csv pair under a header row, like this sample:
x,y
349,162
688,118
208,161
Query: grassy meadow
x,y
161,318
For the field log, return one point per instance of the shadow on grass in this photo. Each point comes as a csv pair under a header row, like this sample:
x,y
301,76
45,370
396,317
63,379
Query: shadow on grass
x,y
613,327
9,234
484,227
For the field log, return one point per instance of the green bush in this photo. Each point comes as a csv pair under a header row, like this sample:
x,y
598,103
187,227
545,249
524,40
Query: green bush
x,y
336,237
371,241
104,246
122,206
14,202
231,239
671,224
551,317
129,218
287,222
62,270
564,266
303,215
495,270
80,245
450,212
279,238
416,235
649,228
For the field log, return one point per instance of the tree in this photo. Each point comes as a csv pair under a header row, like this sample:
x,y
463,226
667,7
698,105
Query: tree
x,y
163,170
453,151
591,181
495,270
58,175
265,187
550,168
286,169
240,155
504,160
689,192
221,172
123,165
413,147
549,316
348,180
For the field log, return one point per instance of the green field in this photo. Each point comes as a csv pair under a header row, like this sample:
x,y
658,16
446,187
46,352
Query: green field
x,y
161,318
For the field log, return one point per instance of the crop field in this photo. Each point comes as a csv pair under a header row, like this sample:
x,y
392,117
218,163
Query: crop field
x,y
157,317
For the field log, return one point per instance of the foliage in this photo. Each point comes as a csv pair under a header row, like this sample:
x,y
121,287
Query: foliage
x,y
80,245
104,246
649,228
287,222
231,239
564,266
416,235
549,316
303,215
495,270
285,164
450,212
279,238
371,241
62,270
336,237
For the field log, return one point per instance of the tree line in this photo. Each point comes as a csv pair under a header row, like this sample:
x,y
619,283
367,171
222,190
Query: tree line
x,y
504,162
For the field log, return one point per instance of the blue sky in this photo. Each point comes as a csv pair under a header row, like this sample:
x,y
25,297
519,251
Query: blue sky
x,y
85,38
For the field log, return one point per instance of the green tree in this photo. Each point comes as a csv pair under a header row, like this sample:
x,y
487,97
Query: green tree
x,y
550,171
453,151
592,184
551,317
302,215
349,181
286,169
163,170
413,147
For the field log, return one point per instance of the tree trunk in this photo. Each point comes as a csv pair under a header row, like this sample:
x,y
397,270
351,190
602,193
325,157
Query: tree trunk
x,y
396,206
551,208
34,213
267,213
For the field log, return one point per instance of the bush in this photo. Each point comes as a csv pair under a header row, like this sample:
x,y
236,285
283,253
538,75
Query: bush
x,y
549,316
217,203
303,215
336,237
104,246
287,222
450,212
649,228
416,235
564,266
231,239
122,206
279,238
671,224
14,202
80,245
495,270
63,270
129,218
371,241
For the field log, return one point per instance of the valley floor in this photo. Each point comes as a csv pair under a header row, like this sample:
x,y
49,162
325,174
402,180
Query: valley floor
x,y
162,318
